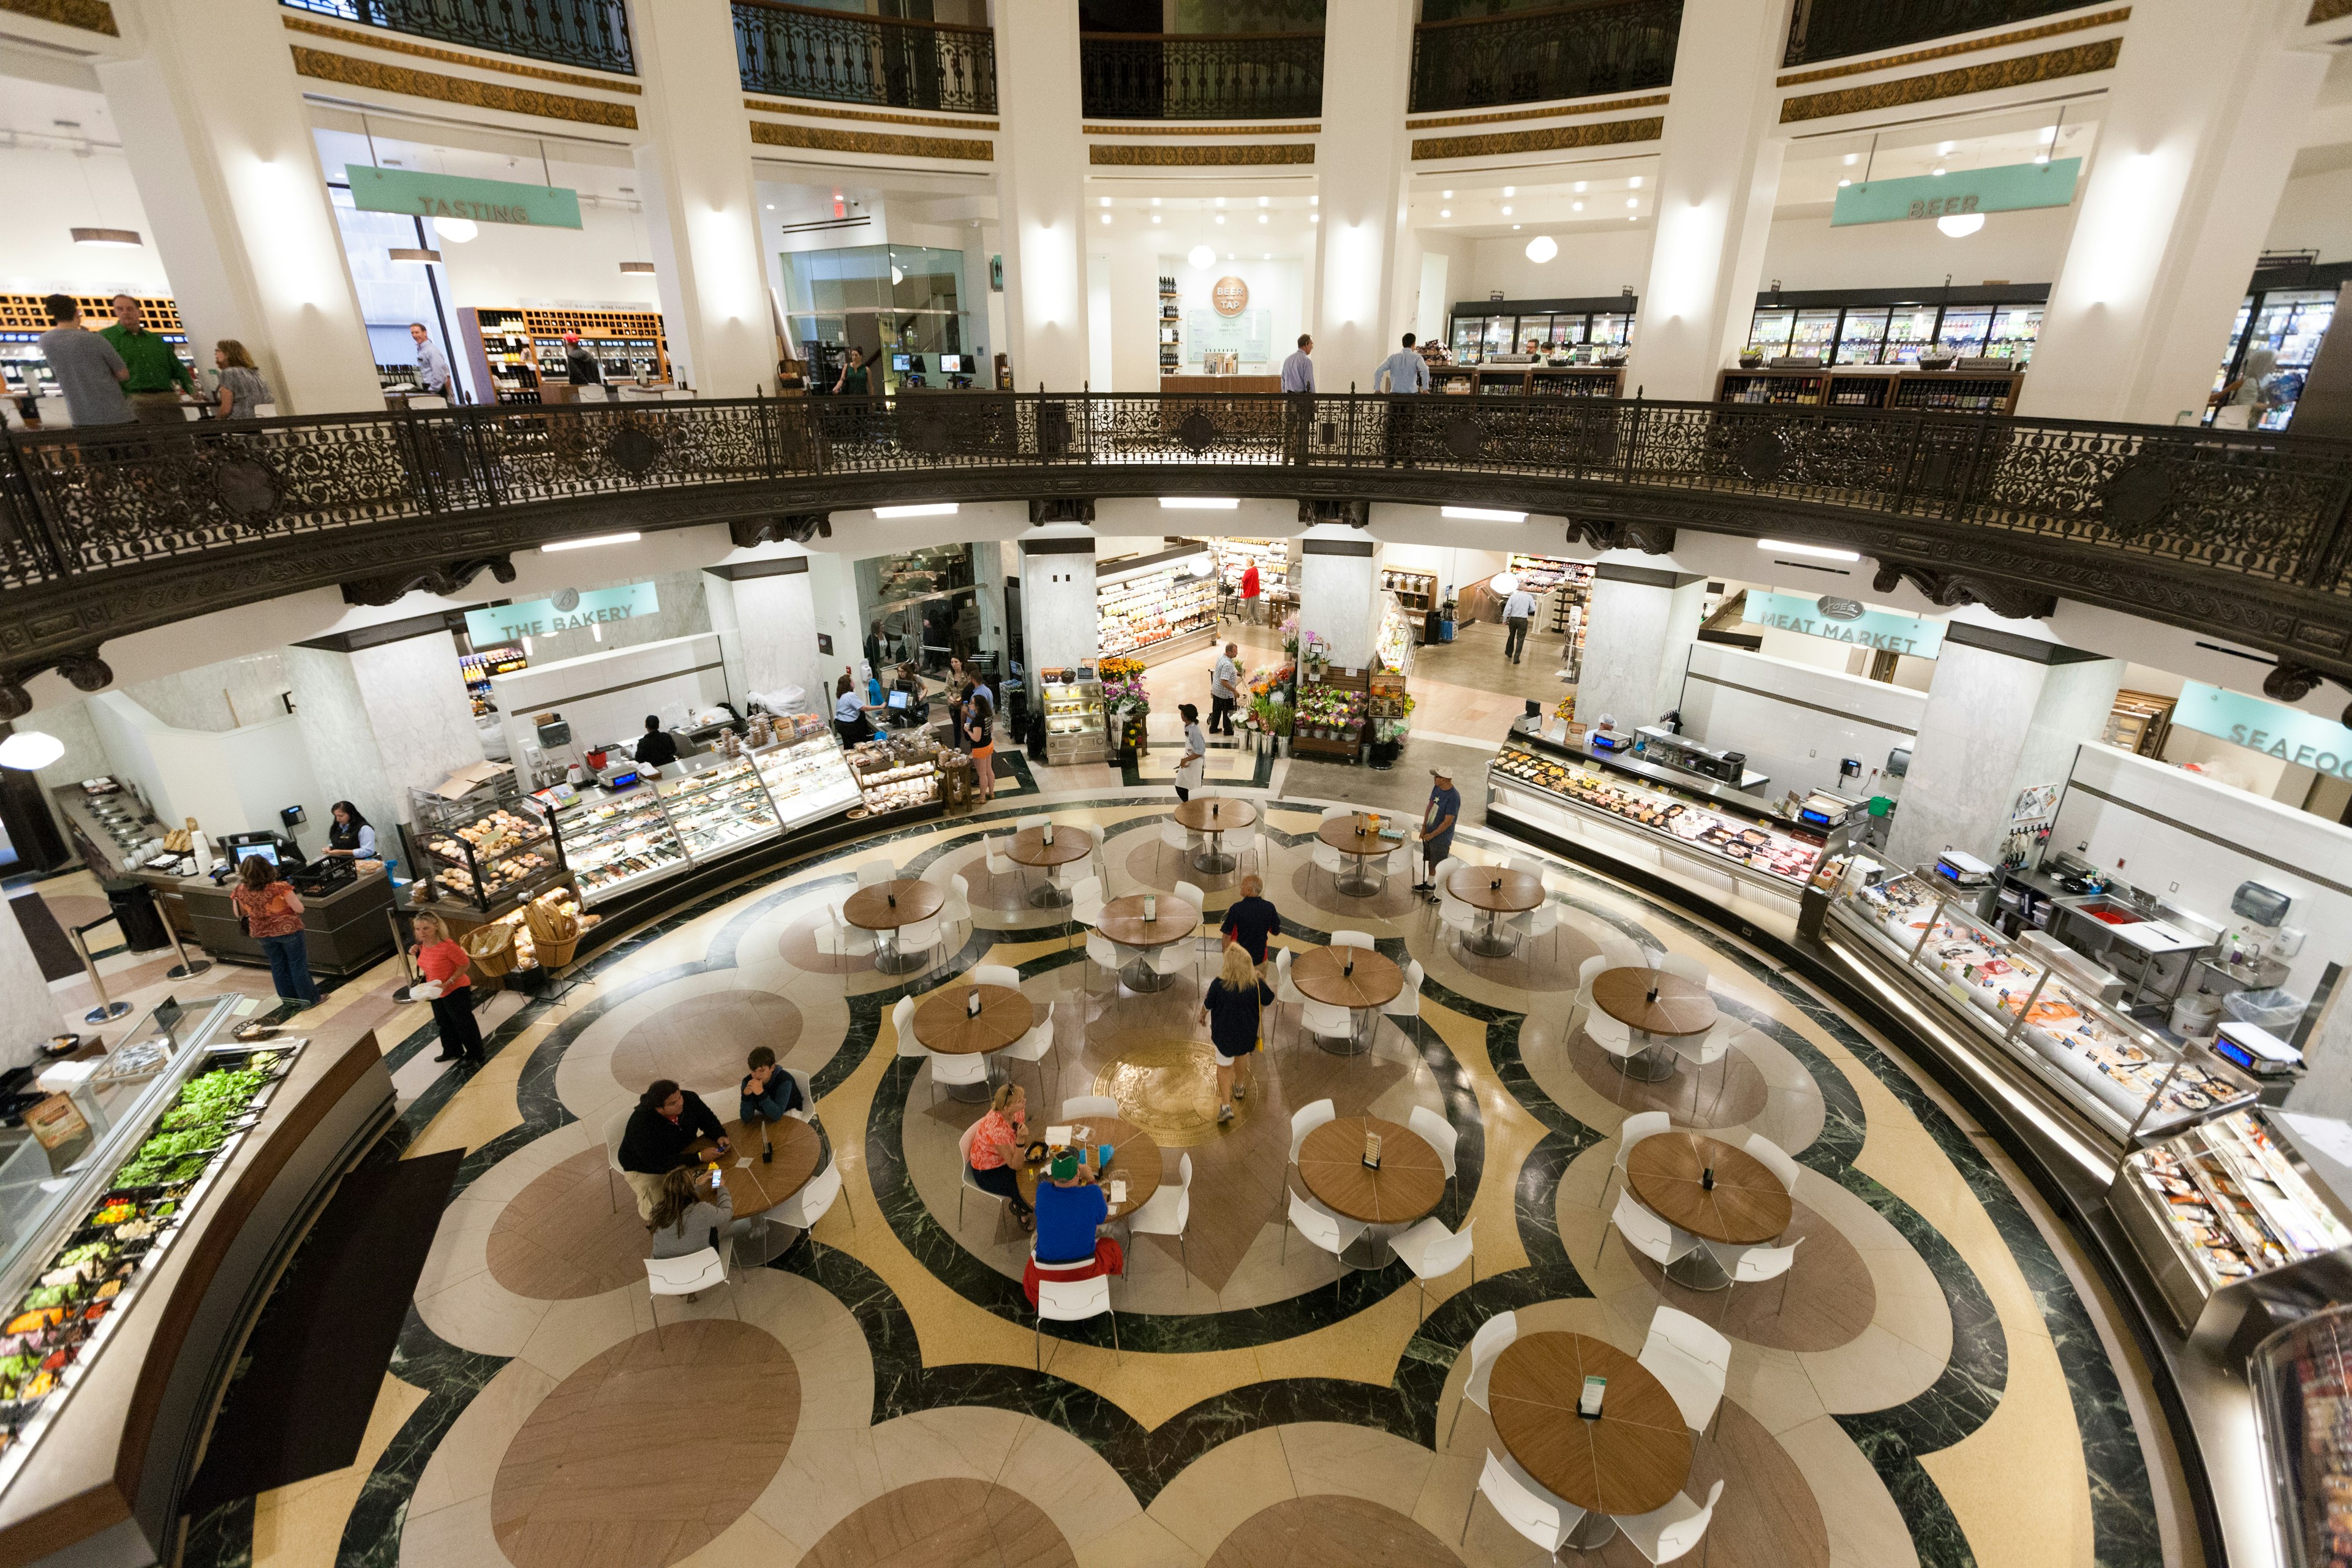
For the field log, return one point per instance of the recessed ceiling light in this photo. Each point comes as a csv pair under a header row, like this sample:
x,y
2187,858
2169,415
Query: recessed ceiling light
x,y
1199,503
771,206
1579,184
1314,201
1155,217
1221,218
2050,133
1820,552
1265,201
1852,158
1313,218
1960,226
1576,207
1447,194
1481,514
1515,227
1221,201
1542,248
1105,217
929,509
1842,183
1936,171
1507,211
590,542
1445,212
1510,190
1155,201
1106,200
1261,217
1635,182
29,749
1944,148
1632,201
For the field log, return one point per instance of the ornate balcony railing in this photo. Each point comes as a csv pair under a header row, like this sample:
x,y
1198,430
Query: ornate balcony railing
x,y
2237,534
1577,50
1201,76
1831,29
591,33
801,52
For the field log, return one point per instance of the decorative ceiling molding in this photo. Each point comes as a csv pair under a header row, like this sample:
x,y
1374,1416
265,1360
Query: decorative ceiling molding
x,y
1261,153
320,66
93,15
2051,65
1204,129
1651,100
1945,52
445,578
884,144
2321,11
811,111
1606,133
449,56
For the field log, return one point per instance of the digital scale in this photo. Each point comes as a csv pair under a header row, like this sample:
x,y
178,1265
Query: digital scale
x,y
2256,1050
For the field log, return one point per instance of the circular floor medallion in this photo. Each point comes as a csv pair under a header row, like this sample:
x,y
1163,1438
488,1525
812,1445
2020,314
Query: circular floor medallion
x,y
1169,1087
702,1042
798,947
574,1232
950,1519
1331,1532
1826,1299
1730,1092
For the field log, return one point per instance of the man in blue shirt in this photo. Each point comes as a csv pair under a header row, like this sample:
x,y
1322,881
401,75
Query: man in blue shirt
x,y
1437,827
1403,374
1251,919
1517,610
1299,375
1298,370
1070,1207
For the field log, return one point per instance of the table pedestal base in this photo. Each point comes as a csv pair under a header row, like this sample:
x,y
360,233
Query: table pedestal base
x,y
1351,1043
1360,884
1049,896
763,1242
890,959
1213,861
1697,1270
1594,1529
1143,977
1654,1063
1370,1250
1495,940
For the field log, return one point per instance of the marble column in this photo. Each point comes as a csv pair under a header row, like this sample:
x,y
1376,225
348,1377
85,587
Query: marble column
x,y
694,170
1339,591
1361,164
2197,134
1718,171
31,1013
213,126
761,609
2006,711
1646,614
1059,624
1041,193
380,722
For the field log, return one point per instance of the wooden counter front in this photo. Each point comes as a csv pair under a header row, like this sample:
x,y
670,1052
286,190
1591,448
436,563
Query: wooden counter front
x,y
343,932
1171,386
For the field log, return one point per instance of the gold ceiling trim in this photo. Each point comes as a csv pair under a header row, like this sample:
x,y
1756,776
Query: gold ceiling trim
x,y
1993,75
1946,51
779,106
881,145
1552,139
90,16
1204,129
351,72
450,57
1652,101
1256,154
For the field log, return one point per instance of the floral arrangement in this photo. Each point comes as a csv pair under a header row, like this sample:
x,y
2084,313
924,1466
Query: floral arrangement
x,y
1328,713
1122,684
1314,655
1270,678
1270,715
1290,636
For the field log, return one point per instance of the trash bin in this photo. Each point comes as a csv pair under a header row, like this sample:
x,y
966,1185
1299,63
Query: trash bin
x,y
134,903
2276,1011
1445,631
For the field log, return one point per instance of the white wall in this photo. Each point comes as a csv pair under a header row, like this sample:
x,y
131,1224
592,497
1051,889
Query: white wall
x,y
1589,264
1805,252
229,781
1276,287
2315,213
510,264
661,678
47,198
1773,709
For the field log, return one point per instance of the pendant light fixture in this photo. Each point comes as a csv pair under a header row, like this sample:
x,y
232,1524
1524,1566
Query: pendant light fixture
x,y
636,232
98,234
30,749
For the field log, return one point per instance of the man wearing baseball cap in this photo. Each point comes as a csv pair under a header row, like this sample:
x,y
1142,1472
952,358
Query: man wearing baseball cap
x,y
579,363
1437,827
1070,1206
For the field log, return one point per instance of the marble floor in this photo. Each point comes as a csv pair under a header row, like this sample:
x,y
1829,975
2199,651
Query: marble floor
x,y
1935,1383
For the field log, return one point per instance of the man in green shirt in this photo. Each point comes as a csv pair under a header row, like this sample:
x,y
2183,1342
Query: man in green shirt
x,y
155,369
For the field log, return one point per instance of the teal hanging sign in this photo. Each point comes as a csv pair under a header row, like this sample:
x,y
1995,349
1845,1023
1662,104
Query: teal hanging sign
x,y
2274,729
412,194
1845,621
2006,188
568,611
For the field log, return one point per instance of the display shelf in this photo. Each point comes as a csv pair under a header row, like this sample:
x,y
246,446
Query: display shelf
x,y
718,806
1075,724
616,841
807,778
488,846
897,773
511,350
24,371
1270,556
1151,606
1780,386
1415,591
1897,334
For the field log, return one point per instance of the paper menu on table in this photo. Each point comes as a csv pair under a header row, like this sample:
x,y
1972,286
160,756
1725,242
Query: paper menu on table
x,y
1118,1191
1057,1137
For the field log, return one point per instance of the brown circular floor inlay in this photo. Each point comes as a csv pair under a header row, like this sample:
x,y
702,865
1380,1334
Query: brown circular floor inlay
x,y
574,1232
798,948
1331,1532
950,1522
1825,1300
620,1465
1730,1092
701,1042
1768,1517
1395,900
1169,1088
1547,962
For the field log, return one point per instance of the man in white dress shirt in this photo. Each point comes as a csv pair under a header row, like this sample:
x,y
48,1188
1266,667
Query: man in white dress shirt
x,y
1402,373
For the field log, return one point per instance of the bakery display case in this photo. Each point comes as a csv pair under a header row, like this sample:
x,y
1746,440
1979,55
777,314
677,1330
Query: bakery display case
x,y
807,777
1155,608
716,802
897,773
612,841
1075,725
2114,1073
491,848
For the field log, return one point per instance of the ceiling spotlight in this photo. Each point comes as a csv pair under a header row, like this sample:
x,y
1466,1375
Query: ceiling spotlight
x,y
1261,217
1842,183
1105,217
1445,212
1507,211
1447,194
1632,201
1106,200
1221,201
1155,217
456,229
1943,148
1510,190
125,239
30,749
1516,226
1542,248
2050,133
1313,218
1635,182
771,206
927,509
1936,172
645,267
1314,201
1576,207
410,253
1202,255
1960,226
1221,218
1265,201
1155,201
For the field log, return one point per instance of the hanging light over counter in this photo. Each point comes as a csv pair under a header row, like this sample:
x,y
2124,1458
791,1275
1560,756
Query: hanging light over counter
x,y
410,253
124,238
645,267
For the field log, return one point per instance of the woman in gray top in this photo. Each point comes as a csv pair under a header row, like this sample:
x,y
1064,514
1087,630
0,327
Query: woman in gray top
x,y
685,1221
241,385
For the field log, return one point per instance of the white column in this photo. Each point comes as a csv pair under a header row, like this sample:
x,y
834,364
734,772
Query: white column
x,y
1719,170
380,722
1645,615
762,604
1059,625
212,125
694,172
1362,162
2197,137
2006,711
1041,193
1340,590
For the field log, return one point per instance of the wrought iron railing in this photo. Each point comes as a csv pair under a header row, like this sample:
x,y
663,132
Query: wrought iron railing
x,y
591,33
1201,76
2244,535
1579,50
798,51
1830,30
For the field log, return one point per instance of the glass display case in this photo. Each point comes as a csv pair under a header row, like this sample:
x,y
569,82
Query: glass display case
x,y
2302,1379
1074,727
897,773
807,777
491,848
1896,334
1152,607
614,842
2125,1080
716,804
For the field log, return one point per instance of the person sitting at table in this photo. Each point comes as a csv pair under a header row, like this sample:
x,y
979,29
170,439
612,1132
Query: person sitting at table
x,y
1232,1007
769,1093
996,1143
660,1138
1252,919
693,1211
1071,1206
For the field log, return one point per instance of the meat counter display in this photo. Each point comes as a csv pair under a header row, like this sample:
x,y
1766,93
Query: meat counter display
x,y
2123,1079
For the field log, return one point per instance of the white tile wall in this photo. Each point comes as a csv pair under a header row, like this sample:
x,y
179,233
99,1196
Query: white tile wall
x,y
1798,746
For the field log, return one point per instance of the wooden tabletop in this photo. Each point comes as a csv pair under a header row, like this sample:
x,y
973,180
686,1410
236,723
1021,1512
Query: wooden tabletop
x,y
1632,1459
1030,848
1122,921
755,1187
1476,886
1748,1206
1341,833
1322,973
869,908
1407,1185
942,1025
1683,1006
1135,1155
1195,814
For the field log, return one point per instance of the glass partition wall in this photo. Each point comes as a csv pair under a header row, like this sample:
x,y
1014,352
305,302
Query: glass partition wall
x,y
920,608
903,304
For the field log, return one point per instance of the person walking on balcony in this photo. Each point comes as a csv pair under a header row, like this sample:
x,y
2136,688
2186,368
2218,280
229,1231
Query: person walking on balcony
x,y
159,382
89,373
1518,611
1298,413
1401,375
432,364
1298,370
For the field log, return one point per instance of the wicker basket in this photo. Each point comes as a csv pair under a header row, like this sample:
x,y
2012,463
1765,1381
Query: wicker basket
x,y
554,933
490,948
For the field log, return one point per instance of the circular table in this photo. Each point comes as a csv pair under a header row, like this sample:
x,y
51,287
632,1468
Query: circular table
x,y
1631,1459
1341,833
1658,1004
942,1024
1122,921
1747,1204
1496,891
885,907
1214,816
1323,974
1411,1180
1135,1158
1030,848
762,1174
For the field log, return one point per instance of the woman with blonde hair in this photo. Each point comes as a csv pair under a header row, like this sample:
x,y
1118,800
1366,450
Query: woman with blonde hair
x,y
449,987
996,1141
1232,1007
241,385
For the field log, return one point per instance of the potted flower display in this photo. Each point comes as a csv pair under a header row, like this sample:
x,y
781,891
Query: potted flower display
x,y
1127,702
1314,656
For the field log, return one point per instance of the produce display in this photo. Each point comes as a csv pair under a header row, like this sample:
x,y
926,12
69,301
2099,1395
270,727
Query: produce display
x,y
807,776
1155,605
1656,806
1271,556
717,808
2236,1205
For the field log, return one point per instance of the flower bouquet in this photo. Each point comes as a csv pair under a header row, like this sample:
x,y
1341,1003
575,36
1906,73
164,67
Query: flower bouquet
x,y
1314,656
1122,684
1290,636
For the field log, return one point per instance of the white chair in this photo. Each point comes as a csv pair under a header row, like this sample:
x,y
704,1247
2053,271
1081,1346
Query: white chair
x,y
1351,939
1773,1158
56,414
924,936
1333,1233
1071,1301
1615,1040
806,1109
1334,812
1666,1533
415,400
1079,1107
958,1069
1326,859
1002,975
1325,1020
1174,834
1167,1214
873,871
1655,1238
1000,864
1528,863
265,411
1432,1252
1581,1008
1033,1047
1192,894
1542,920
1086,902
838,938
966,1185
687,1276
1692,1360
1493,1338
1523,1503
1438,1134
815,1200
1171,959
1692,969
1454,915
1632,1130
1400,859
1106,954
956,908
617,1127
1704,1051
1406,1004
1285,988
1306,1120
1241,841
902,1019
1753,1265
1037,822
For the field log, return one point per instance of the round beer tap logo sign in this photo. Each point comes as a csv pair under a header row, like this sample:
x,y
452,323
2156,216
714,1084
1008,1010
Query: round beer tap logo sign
x,y
1230,296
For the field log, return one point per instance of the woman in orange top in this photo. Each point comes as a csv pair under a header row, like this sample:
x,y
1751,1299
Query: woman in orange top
x,y
273,917
996,1143
449,988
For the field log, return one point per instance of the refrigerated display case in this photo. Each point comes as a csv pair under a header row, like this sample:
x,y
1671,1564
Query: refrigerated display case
x,y
615,843
1075,725
717,803
1883,333
1155,609
2302,1381
807,777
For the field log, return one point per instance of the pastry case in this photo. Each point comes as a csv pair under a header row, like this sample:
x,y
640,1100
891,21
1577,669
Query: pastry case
x,y
716,802
897,773
807,777
491,848
614,842
1075,725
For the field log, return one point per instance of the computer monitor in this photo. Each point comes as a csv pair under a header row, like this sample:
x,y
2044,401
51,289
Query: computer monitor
x,y
902,362
898,700
953,364
252,851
